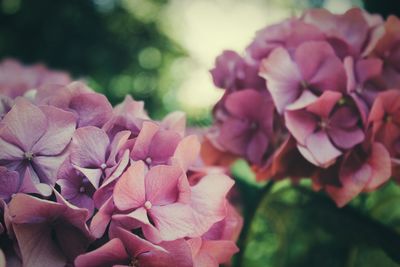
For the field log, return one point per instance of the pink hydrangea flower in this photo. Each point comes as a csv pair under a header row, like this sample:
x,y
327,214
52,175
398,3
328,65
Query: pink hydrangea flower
x,y
295,79
324,128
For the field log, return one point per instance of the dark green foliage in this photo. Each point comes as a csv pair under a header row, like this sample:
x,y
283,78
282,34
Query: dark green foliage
x,y
89,41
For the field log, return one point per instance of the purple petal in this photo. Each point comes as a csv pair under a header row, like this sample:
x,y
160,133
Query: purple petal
x,y
88,147
300,124
93,109
282,76
23,125
322,149
60,127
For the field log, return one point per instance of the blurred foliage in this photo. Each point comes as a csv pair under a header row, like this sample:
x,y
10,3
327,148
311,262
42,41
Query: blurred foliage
x,y
296,227
114,44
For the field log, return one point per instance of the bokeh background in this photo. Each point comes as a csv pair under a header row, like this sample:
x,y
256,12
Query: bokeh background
x,y
160,51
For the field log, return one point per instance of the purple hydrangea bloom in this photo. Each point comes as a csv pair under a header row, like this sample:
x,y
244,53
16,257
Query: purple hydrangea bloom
x,y
35,138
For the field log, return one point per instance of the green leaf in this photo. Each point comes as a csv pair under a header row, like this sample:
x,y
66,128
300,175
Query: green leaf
x,y
296,227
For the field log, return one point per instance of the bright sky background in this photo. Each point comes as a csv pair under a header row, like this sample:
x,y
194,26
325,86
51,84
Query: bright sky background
x,y
207,27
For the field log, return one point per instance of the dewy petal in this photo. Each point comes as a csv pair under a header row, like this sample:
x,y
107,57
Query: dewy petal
x,y
282,76
88,147
172,221
61,126
110,254
161,184
129,191
208,201
23,125
321,148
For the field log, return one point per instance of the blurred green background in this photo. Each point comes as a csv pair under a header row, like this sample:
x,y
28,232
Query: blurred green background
x,y
160,51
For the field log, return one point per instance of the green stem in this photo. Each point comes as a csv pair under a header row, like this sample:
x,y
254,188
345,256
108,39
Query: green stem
x,y
250,210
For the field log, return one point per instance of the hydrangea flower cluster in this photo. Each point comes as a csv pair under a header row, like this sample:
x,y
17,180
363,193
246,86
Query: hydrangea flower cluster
x,y
85,184
316,96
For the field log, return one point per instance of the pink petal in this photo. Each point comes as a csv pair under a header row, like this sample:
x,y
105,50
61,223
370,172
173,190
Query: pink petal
x,y
282,76
141,148
110,254
161,184
380,163
353,179
324,105
320,67
172,221
187,152
208,201
129,191
102,218
220,250
163,146
175,121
